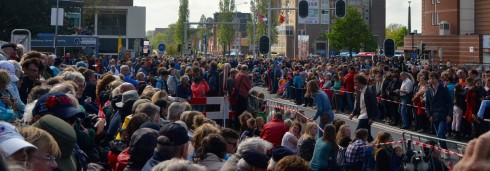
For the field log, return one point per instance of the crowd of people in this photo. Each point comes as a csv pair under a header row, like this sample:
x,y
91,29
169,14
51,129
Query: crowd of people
x,y
86,113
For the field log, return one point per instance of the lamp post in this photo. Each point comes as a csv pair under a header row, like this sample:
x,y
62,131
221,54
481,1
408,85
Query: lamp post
x,y
409,17
413,47
238,34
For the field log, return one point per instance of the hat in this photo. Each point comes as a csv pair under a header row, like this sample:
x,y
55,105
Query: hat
x,y
16,65
175,132
10,140
65,136
126,96
81,64
142,144
164,72
7,45
256,159
58,104
280,152
151,125
7,66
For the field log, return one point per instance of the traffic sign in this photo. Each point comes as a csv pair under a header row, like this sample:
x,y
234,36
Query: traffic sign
x,y
161,47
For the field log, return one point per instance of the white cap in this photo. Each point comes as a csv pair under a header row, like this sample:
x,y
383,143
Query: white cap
x,y
7,66
10,140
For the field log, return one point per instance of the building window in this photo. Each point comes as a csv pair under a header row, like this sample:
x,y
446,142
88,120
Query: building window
x,y
438,1
437,18
433,16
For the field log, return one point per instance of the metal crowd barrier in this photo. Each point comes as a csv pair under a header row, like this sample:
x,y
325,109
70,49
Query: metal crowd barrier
x,y
271,109
415,140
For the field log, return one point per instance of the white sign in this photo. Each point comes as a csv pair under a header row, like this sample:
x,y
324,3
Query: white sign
x,y
486,42
147,43
318,13
472,49
61,16
23,39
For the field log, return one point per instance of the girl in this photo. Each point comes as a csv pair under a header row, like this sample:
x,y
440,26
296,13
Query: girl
x,y
325,153
324,109
459,107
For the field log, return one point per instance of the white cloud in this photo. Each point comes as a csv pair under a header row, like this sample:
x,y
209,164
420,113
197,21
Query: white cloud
x,y
161,13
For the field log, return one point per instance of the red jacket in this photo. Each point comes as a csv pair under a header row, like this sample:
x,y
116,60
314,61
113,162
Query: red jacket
x,y
243,84
470,104
274,131
199,90
349,81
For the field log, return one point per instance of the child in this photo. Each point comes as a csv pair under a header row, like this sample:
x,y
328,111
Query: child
x,y
249,132
260,125
396,160
262,102
262,113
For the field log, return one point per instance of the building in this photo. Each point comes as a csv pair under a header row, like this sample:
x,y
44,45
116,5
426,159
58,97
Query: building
x,y
296,29
457,31
240,43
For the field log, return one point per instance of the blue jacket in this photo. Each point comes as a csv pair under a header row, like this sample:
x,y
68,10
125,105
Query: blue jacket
x,y
154,160
440,105
321,155
162,85
130,80
298,81
323,106
14,91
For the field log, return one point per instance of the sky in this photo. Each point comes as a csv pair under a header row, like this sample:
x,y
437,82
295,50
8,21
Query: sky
x,y
161,13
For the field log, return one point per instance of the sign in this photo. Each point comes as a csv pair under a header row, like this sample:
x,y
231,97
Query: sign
x,y
61,16
65,41
486,42
161,47
303,46
318,13
22,36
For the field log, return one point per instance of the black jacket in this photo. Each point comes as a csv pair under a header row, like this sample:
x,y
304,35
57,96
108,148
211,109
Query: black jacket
x,y
440,105
370,102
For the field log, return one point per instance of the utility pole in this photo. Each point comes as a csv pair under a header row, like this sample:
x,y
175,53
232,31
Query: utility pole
x,y
56,27
409,17
269,29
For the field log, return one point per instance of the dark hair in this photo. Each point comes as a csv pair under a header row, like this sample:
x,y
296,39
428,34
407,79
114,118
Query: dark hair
x,y
361,79
197,79
57,61
214,66
428,150
337,123
54,80
35,61
329,135
278,115
133,125
434,74
87,73
212,143
361,134
229,133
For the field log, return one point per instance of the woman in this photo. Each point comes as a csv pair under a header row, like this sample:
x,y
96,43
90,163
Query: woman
x,y
324,109
306,144
419,101
211,154
199,134
290,138
383,153
344,136
43,159
199,87
325,153
184,88
8,104
459,107
31,68
394,84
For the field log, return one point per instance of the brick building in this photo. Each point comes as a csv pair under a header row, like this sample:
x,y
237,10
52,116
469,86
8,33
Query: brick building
x,y
457,30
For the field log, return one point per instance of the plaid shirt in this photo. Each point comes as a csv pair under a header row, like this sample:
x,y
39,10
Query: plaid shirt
x,y
355,152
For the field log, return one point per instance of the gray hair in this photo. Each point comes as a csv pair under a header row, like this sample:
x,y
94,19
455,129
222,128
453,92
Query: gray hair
x,y
174,110
187,106
254,144
64,88
123,67
178,164
148,108
243,165
72,75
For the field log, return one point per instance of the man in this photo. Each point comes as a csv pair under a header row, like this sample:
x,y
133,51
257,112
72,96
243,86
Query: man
x,y
8,50
354,155
174,111
172,83
254,144
365,105
132,70
162,80
172,143
274,130
242,85
405,95
438,106
349,87
231,138
212,78
127,75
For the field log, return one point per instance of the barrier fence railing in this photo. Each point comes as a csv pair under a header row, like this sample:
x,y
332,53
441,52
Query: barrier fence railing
x,y
417,142
274,106
223,113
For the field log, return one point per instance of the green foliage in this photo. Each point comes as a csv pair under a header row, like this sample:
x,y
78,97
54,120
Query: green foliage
x,y
350,33
226,33
156,40
178,35
397,33
202,29
171,49
260,7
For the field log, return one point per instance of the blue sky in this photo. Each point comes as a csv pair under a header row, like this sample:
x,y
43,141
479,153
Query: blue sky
x,y
161,13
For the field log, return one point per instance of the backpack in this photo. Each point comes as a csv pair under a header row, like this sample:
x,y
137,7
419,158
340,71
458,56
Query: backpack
x,y
212,80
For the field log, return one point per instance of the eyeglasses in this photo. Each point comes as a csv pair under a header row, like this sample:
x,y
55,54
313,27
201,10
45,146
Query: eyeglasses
x,y
48,158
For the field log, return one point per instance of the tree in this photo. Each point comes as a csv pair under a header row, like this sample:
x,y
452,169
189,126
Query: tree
x,y
183,17
156,40
260,7
350,32
225,31
396,32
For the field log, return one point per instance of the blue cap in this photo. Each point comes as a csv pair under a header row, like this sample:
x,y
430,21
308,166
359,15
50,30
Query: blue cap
x,y
58,104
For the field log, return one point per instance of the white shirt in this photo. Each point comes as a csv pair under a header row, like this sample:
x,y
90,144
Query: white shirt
x,y
285,141
363,112
407,86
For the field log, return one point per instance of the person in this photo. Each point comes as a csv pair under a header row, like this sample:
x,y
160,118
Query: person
x,y
211,154
142,142
344,135
184,88
243,84
43,159
274,130
298,86
474,156
125,71
8,104
306,144
405,93
13,145
254,144
162,80
249,132
383,153
324,108
295,163
349,87
171,143
433,157
172,82
290,138
31,68
354,155
365,105
325,153
212,78
231,139
459,105
8,49
438,106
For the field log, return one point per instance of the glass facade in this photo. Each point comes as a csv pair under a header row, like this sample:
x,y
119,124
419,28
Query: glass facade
x,y
112,22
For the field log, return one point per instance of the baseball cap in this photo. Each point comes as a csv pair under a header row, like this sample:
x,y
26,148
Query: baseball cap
x,y
175,132
7,66
7,45
164,72
10,140
58,104
126,96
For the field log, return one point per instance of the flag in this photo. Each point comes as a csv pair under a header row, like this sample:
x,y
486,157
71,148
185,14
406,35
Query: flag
x,y
119,44
281,18
262,17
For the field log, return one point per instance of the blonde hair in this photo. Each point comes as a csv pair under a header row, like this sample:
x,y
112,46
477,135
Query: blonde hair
x,y
309,126
201,132
41,139
340,132
156,96
4,78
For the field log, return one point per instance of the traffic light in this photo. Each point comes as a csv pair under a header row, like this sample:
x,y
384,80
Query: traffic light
x,y
340,8
423,48
264,45
303,9
389,46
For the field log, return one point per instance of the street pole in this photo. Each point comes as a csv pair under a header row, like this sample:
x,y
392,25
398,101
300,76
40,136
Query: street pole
x,y
56,27
409,17
269,29
253,36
